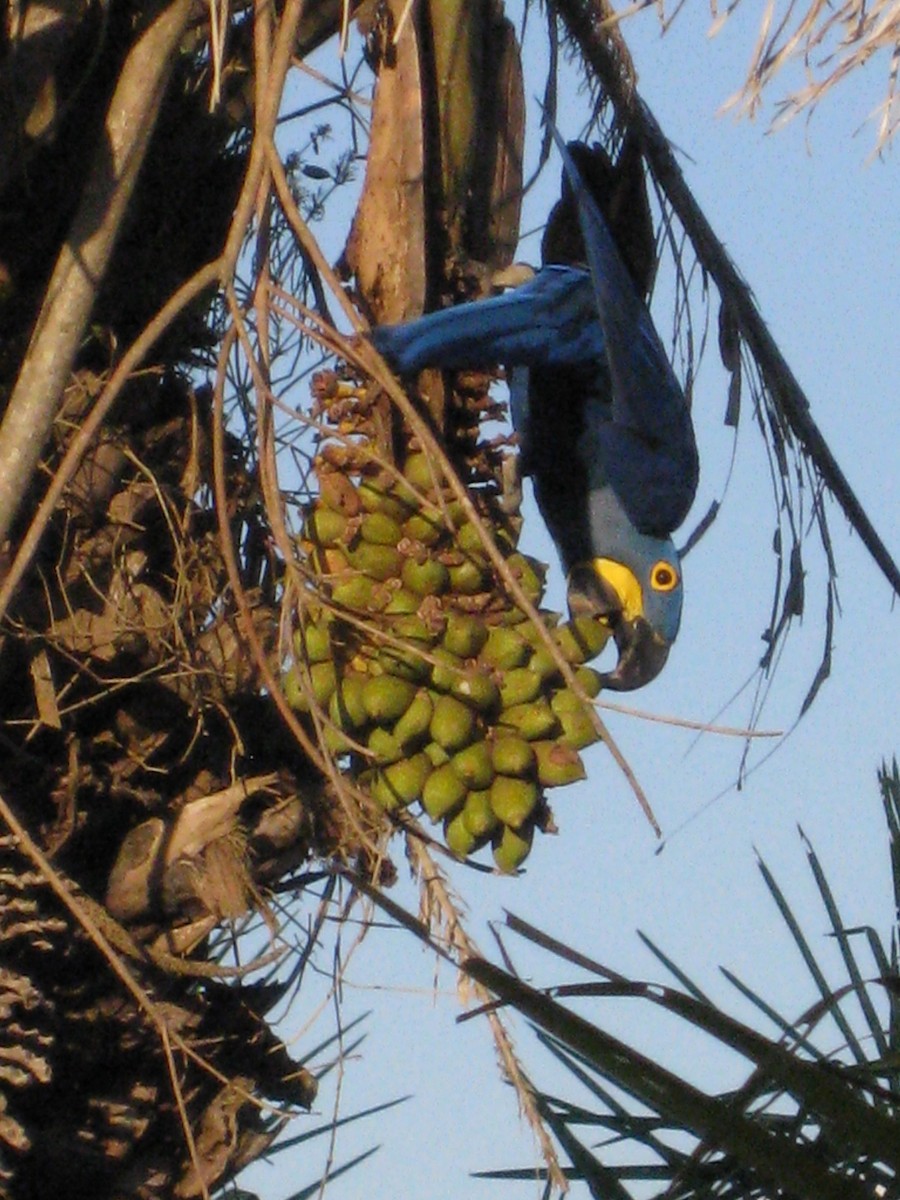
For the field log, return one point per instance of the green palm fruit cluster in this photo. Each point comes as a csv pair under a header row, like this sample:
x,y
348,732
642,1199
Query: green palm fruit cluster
x,y
424,672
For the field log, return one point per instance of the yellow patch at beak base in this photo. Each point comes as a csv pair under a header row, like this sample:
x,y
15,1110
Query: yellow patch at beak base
x,y
625,584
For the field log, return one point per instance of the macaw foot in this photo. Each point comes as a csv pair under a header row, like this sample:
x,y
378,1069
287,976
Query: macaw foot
x,y
512,276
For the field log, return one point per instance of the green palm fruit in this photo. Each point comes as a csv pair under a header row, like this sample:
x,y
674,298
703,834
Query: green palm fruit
x,y
380,529
325,527
511,847
505,648
458,837
357,592
454,514
534,634
452,723
578,730
299,693
543,663
428,578
532,721
570,644
423,529
437,755
382,499
406,662
294,691
376,561
411,729
513,800
312,642
384,746
380,791
387,697
529,573
467,578
346,707
506,538
323,679
464,635
473,765
406,778
519,686
402,602
411,627
575,719
443,792
557,763
446,670
468,539
331,561
512,754
477,814
589,680
422,471
565,701
582,639
335,740
476,689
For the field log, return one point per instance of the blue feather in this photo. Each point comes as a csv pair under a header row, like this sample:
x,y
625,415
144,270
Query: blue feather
x,y
605,427
549,321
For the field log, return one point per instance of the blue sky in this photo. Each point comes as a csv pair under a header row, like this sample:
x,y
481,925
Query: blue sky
x,y
814,227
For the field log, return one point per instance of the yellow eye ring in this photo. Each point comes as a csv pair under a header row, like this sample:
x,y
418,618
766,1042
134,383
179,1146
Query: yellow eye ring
x,y
663,577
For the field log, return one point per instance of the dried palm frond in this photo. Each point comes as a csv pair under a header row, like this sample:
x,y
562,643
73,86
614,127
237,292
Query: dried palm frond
x,y
832,42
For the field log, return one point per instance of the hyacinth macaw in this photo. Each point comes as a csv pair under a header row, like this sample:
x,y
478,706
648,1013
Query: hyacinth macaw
x,y
604,426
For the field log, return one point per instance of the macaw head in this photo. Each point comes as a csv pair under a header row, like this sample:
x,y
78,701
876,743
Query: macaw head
x,y
640,601
633,585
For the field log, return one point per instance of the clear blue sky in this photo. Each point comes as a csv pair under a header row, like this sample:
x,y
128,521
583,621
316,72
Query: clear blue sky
x,y
815,229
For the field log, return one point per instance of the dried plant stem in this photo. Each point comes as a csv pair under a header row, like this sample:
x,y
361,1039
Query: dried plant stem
x,y
85,255
439,910
833,40
436,895
90,426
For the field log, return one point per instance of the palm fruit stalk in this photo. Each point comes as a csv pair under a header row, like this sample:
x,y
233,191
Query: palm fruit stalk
x,y
435,691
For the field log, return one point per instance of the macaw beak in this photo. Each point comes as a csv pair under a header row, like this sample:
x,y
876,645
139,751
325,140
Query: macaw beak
x,y
642,651
642,655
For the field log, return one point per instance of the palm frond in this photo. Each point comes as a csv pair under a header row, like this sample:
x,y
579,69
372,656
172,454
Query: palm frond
x,y
813,1118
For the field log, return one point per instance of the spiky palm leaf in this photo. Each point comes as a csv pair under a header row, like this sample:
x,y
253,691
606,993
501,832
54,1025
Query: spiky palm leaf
x,y
818,1116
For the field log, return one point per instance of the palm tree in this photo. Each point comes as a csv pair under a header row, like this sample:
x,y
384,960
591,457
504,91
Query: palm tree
x,y
213,678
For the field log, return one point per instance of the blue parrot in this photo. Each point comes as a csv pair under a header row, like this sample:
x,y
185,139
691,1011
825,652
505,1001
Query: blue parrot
x,y
604,426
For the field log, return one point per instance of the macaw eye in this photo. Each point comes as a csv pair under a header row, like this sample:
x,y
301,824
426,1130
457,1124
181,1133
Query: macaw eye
x,y
663,577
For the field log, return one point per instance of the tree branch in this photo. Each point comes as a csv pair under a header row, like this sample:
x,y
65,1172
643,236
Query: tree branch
x,y
85,256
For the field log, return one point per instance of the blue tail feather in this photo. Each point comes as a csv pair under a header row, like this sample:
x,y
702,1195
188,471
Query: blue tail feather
x,y
646,396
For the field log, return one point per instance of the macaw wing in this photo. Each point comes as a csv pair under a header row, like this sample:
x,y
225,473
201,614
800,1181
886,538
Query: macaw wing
x,y
655,487
647,423
549,321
